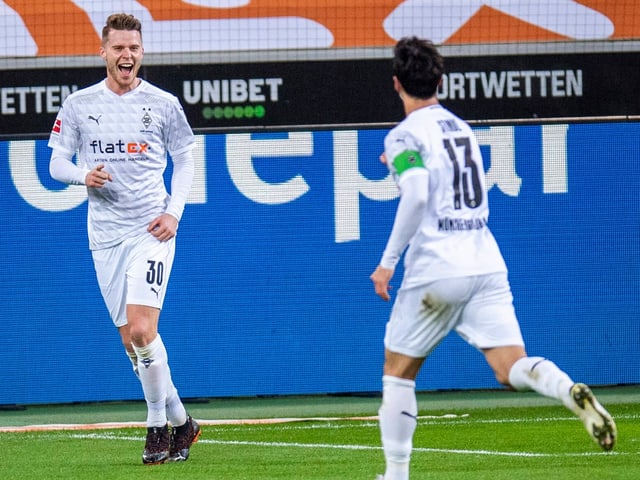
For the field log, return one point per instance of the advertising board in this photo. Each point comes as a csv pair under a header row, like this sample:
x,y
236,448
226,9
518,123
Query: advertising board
x,y
250,96
270,292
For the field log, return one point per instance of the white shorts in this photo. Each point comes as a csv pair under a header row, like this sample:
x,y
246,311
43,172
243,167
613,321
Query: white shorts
x,y
134,272
480,309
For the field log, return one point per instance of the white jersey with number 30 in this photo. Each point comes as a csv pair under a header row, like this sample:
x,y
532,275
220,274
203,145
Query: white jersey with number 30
x,y
452,238
131,135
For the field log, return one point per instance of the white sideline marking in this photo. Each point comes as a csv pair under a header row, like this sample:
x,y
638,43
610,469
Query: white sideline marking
x,y
107,436
369,421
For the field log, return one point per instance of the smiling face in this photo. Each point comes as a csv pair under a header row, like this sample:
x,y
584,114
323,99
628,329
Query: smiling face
x,y
122,52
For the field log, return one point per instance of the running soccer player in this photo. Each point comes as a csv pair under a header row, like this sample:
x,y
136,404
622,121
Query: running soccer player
x,y
122,129
455,277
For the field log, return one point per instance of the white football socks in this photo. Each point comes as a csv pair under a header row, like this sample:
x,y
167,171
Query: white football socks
x,y
398,420
176,413
133,358
153,370
542,376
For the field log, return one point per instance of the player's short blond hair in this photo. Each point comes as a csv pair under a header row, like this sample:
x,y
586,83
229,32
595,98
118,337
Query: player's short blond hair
x,y
120,21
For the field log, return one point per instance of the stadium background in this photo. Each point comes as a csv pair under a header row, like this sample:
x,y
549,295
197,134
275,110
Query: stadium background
x,y
290,210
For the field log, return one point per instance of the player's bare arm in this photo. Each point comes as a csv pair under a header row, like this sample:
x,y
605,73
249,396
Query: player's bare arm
x,y
163,227
97,177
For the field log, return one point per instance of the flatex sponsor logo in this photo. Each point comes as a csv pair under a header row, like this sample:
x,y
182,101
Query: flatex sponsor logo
x,y
25,100
233,98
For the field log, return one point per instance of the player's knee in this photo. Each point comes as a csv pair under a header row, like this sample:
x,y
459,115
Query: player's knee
x,y
140,335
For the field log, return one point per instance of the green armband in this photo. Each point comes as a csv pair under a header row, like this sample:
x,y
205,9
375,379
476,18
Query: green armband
x,y
406,160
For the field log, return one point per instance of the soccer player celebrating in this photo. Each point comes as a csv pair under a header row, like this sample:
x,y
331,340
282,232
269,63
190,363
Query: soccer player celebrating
x,y
455,277
122,129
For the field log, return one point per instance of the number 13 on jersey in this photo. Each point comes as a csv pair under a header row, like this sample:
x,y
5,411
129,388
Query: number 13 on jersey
x,y
466,173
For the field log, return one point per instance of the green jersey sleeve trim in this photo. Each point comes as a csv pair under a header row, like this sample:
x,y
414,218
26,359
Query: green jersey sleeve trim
x,y
406,160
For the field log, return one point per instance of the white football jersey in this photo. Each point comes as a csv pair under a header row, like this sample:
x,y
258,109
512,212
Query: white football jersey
x,y
131,135
453,239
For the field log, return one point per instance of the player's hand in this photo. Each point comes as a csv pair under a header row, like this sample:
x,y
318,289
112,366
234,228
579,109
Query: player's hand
x,y
164,227
383,158
381,278
97,177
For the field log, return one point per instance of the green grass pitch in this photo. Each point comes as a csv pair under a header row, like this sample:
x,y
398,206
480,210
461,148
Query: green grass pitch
x,y
461,435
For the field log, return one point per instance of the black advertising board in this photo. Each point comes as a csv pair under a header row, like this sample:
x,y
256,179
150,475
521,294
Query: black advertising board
x,y
250,96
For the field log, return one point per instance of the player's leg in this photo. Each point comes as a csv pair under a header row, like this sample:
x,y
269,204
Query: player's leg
x,y
153,371
176,412
514,368
490,324
113,269
546,378
148,275
398,412
153,365
420,319
188,430
148,270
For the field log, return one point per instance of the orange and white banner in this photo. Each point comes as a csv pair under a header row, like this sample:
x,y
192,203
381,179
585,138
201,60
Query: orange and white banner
x,y
72,27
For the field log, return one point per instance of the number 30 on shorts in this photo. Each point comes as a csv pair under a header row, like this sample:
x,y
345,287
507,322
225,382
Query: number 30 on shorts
x,y
155,273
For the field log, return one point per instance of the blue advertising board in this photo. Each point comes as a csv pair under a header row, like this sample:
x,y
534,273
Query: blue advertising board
x,y
270,292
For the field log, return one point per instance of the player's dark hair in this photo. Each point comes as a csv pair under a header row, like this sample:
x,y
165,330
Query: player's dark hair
x,y
418,66
120,21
